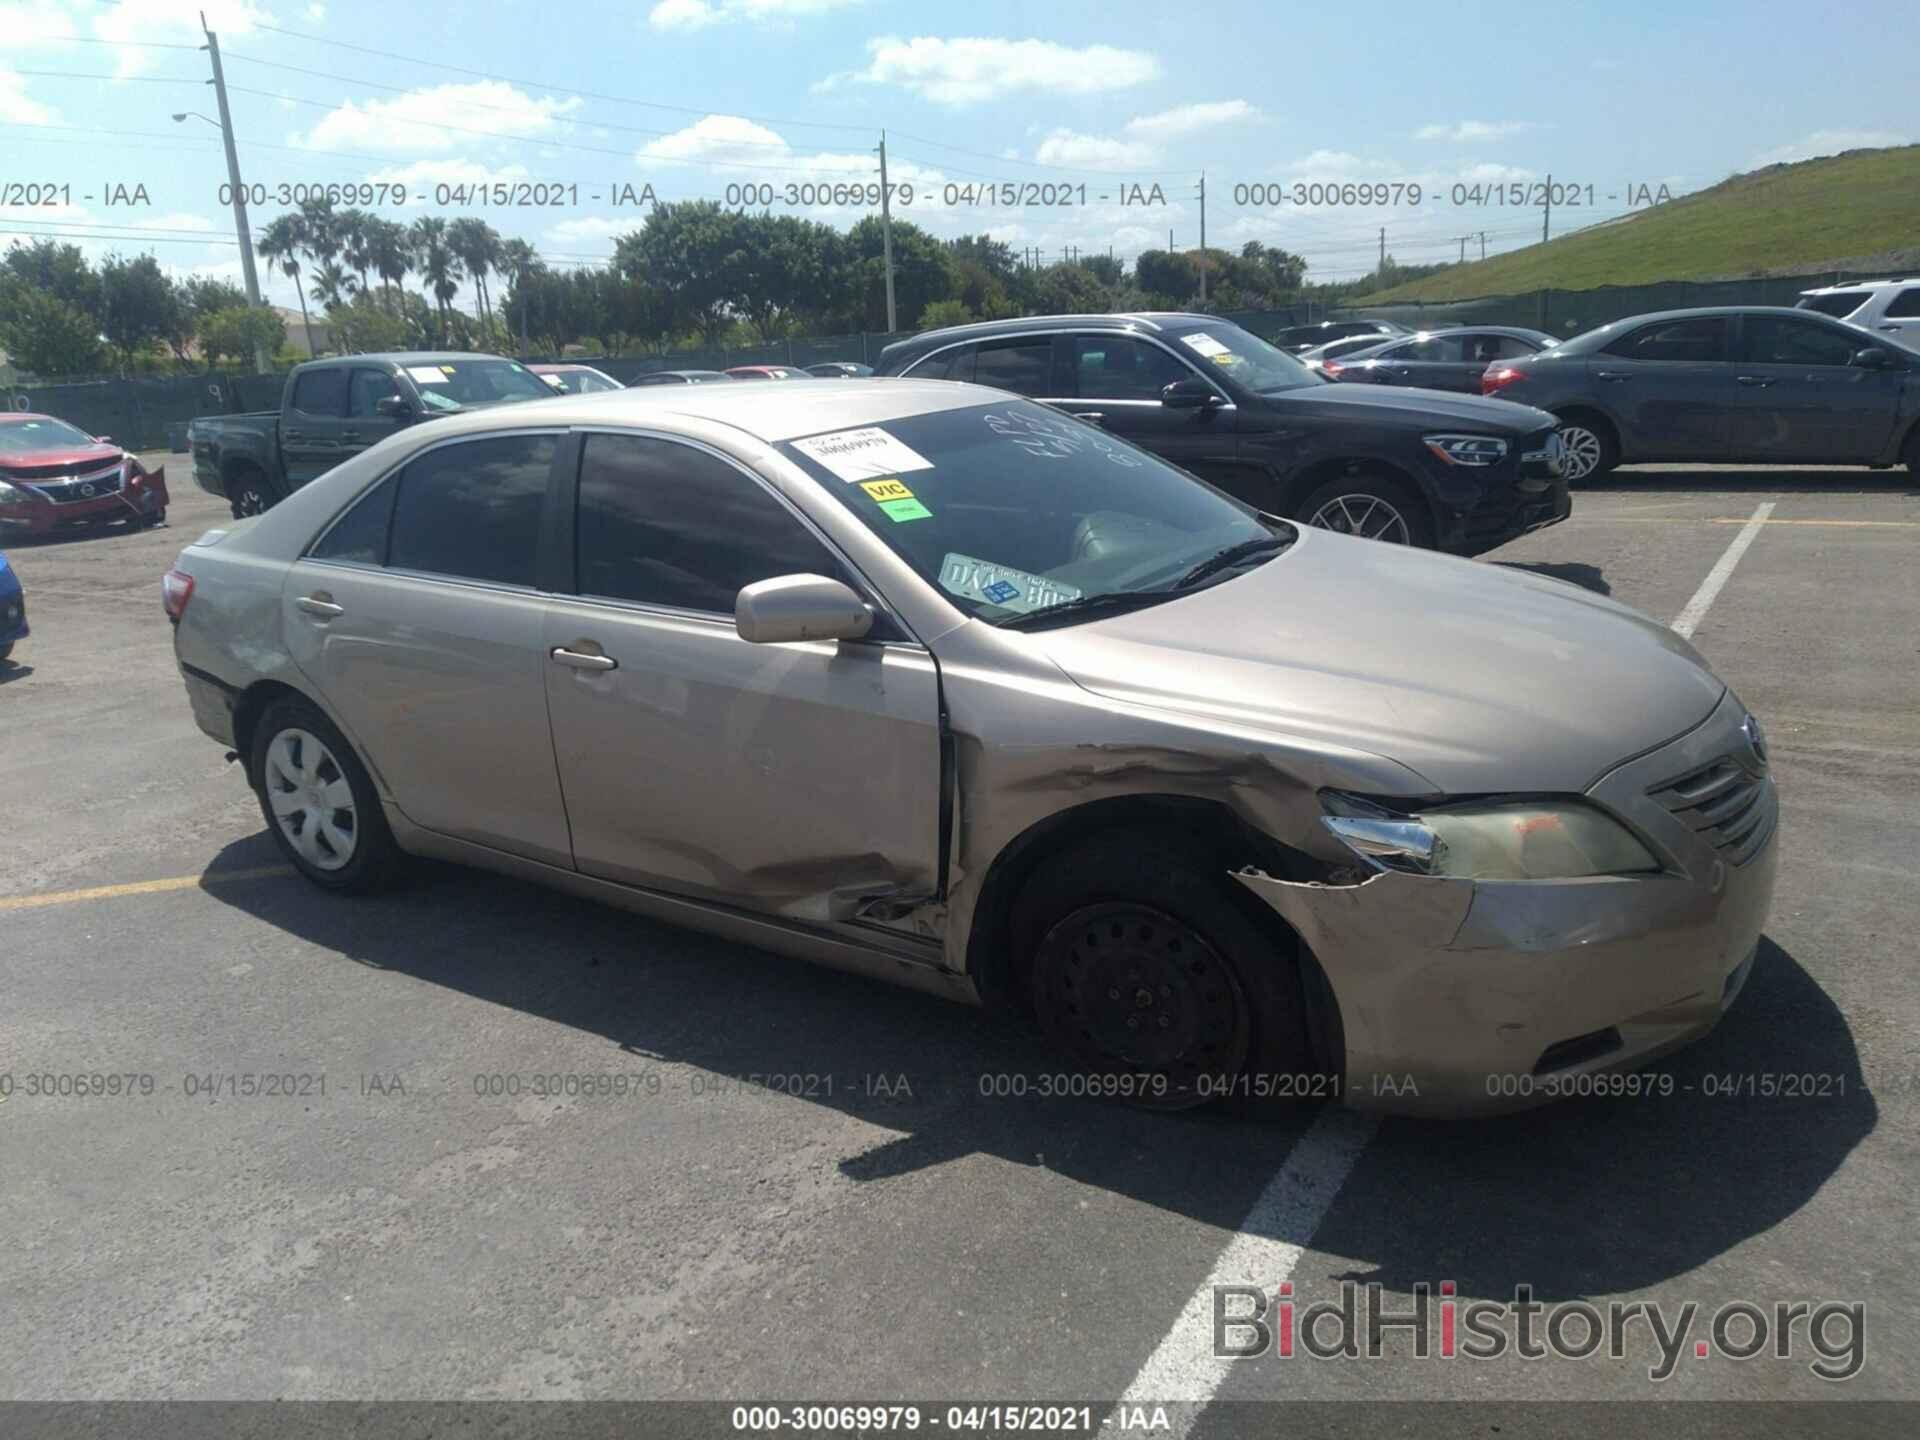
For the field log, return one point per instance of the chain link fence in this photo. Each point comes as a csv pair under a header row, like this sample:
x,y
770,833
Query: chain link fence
x,y
152,413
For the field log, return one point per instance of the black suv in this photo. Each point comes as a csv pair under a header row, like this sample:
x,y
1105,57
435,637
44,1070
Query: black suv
x,y
1446,472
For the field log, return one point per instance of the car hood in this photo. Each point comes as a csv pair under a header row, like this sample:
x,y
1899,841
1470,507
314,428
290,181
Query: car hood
x,y
41,462
1483,678
1411,406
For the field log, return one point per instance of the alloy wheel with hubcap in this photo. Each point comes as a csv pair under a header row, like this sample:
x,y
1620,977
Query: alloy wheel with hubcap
x,y
1368,516
247,499
1585,451
311,800
1130,991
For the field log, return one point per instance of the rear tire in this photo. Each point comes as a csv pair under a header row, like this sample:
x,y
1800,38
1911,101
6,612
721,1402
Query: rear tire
x,y
319,801
1372,507
6,652
1592,449
1145,972
247,494
1911,455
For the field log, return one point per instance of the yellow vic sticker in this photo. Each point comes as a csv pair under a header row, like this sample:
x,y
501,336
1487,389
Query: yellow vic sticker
x,y
886,489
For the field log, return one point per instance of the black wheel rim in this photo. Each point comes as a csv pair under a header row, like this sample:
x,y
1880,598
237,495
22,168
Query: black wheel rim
x,y
249,502
1126,989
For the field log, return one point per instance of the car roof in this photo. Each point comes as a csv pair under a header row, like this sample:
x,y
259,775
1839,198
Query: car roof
x,y
30,415
556,366
1114,320
411,357
1846,286
770,413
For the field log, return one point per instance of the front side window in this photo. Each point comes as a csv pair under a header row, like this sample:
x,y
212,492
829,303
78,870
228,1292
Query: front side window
x,y
1905,305
1432,350
472,509
1012,508
663,523
320,392
1701,337
365,392
1118,367
1775,341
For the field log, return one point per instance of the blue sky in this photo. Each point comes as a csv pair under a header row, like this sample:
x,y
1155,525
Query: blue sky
x,y
692,96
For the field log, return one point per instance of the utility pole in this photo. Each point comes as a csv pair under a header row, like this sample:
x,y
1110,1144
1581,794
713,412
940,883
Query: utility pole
x,y
886,232
1383,251
1463,248
1483,244
1546,213
1203,237
219,83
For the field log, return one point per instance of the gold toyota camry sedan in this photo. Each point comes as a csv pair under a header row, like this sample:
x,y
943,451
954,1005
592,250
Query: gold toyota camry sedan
x,y
932,683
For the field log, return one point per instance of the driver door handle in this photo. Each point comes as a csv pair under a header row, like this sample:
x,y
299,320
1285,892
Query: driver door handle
x,y
1762,381
583,660
1092,417
1611,375
320,603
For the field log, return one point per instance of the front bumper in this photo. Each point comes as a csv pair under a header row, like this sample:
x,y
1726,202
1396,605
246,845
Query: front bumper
x,y
1462,996
143,495
1479,510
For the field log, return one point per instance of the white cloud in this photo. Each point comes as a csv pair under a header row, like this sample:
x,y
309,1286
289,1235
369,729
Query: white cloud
x,y
1332,165
1473,131
1827,142
19,108
1190,119
736,149
1092,152
129,23
414,121
316,13
963,71
421,176
698,14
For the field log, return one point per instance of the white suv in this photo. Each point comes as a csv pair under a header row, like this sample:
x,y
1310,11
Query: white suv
x,y
1892,306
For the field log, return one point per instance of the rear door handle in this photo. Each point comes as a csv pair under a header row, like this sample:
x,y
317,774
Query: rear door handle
x,y
352,437
320,603
1761,381
583,660
293,434
1611,375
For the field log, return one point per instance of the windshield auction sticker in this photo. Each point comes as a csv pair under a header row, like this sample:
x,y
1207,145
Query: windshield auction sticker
x,y
427,374
1205,344
869,454
1002,585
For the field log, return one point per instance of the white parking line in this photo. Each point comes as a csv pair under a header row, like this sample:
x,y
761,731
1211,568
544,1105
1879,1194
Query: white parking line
x,y
1689,619
1278,1229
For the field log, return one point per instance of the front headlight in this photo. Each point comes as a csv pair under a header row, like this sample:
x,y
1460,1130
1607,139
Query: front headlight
x,y
1468,449
1530,840
11,494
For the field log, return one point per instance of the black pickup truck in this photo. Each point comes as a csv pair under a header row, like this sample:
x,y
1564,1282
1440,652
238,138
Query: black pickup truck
x,y
333,409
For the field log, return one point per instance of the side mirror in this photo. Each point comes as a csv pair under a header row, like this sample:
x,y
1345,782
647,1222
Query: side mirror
x,y
1191,393
1871,358
393,407
800,607
104,439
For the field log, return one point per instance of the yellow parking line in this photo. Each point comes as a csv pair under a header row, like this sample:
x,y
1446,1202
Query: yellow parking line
x,y
140,887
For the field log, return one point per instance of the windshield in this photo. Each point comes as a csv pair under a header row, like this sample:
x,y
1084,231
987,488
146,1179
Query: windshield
x,y
581,382
1248,359
19,437
452,384
1839,306
1011,508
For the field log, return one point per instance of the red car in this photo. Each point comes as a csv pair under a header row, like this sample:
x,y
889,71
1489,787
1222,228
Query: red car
x,y
53,475
768,372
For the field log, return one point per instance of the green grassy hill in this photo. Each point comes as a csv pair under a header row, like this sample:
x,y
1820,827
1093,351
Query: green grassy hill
x,y
1858,211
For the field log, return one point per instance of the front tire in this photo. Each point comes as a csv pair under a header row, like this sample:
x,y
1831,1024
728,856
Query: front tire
x,y
6,652
1371,507
319,801
1145,972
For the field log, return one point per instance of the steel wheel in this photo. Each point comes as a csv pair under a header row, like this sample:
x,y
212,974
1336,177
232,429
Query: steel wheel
x,y
1368,516
1130,990
311,800
249,499
1584,451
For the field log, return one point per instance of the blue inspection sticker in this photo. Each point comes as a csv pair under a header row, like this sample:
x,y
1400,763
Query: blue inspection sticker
x,y
1001,591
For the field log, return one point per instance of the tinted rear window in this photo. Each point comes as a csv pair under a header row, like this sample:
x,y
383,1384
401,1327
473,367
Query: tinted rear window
x,y
1838,306
473,509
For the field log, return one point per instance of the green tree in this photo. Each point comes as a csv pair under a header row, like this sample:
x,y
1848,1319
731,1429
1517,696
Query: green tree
x,y
945,312
923,271
685,248
238,330
477,246
1071,290
281,244
438,266
44,334
389,254
138,305
1170,277
57,270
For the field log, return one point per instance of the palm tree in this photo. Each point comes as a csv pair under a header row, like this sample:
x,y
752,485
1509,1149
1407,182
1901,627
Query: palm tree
x,y
333,284
356,239
280,244
517,259
437,264
321,227
478,246
388,251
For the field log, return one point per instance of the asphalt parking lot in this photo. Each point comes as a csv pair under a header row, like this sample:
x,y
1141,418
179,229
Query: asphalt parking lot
x,y
414,1221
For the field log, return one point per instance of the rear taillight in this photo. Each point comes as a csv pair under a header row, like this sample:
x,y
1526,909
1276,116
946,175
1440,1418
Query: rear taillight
x,y
1331,369
1498,377
176,589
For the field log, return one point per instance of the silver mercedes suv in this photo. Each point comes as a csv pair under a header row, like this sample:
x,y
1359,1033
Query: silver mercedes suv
x,y
932,683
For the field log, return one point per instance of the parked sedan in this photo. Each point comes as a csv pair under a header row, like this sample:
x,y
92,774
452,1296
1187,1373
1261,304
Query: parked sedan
x,y
839,370
576,379
55,476
767,372
1298,339
1316,359
1757,385
679,377
935,684
1438,471
1439,359
13,611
